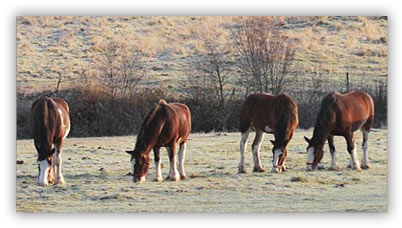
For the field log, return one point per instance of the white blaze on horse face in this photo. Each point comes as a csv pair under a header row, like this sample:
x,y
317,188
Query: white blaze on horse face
x,y
277,153
132,164
43,172
310,157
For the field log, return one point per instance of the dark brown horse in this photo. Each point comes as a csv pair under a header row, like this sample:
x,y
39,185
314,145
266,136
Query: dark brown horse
x,y
50,126
164,126
266,113
341,115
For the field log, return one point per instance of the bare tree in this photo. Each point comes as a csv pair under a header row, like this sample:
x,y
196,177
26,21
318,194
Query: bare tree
x,y
265,54
120,68
212,64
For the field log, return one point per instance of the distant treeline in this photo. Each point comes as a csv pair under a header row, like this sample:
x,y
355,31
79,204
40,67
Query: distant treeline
x,y
94,112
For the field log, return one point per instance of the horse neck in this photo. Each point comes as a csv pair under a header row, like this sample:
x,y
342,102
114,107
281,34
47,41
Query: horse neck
x,y
283,128
321,132
144,143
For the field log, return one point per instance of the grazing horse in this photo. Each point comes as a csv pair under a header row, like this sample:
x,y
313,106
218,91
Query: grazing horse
x,y
164,126
266,113
50,126
341,115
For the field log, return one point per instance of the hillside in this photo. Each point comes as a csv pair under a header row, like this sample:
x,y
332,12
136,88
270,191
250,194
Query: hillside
x,y
328,46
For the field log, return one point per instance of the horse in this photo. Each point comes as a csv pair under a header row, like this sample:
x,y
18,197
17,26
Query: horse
x,y
50,126
266,113
164,126
341,115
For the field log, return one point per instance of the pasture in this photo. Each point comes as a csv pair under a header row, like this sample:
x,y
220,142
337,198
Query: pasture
x,y
96,174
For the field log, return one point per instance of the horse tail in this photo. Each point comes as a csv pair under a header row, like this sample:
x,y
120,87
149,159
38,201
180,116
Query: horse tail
x,y
42,126
370,121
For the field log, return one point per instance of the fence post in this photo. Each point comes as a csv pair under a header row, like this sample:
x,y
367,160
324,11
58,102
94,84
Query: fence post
x,y
58,84
347,81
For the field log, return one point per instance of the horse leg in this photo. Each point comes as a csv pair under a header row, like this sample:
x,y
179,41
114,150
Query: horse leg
x,y
173,173
52,169
259,136
331,145
182,155
157,160
243,145
365,163
57,162
350,140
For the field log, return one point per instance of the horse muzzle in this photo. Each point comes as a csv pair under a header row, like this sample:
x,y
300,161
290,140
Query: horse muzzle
x,y
139,179
310,167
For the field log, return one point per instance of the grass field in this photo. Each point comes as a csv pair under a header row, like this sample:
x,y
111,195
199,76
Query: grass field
x,y
95,171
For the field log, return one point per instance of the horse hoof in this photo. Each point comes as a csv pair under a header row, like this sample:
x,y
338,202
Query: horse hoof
x,y
357,168
274,170
159,179
334,168
43,184
183,177
60,182
242,170
365,166
258,170
174,178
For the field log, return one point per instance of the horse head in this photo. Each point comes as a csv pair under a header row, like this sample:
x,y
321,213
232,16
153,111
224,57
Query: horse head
x,y
140,163
279,151
314,154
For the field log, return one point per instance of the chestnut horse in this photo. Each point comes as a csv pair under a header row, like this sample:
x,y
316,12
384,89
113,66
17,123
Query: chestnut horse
x,y
341,115
50,126
164,126
267,113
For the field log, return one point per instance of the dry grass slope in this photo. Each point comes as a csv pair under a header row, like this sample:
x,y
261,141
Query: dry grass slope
x,y
328,46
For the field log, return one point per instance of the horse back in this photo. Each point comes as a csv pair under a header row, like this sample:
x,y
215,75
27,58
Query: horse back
x,y
262,110
164,125
178,117
356,108
50,120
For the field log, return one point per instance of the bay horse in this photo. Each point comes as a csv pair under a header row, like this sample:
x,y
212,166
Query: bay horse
x,y
164,126
50,126
341,115
266,113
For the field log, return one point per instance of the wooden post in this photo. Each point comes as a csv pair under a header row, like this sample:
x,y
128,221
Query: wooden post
x,y
58,84
347,81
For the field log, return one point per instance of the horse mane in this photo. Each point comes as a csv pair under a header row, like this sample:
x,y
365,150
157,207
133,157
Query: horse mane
x,y
325,117
149,122
289,112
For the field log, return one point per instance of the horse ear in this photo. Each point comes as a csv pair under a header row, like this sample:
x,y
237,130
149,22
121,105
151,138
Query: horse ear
x,y
129,151
272,141
307,139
